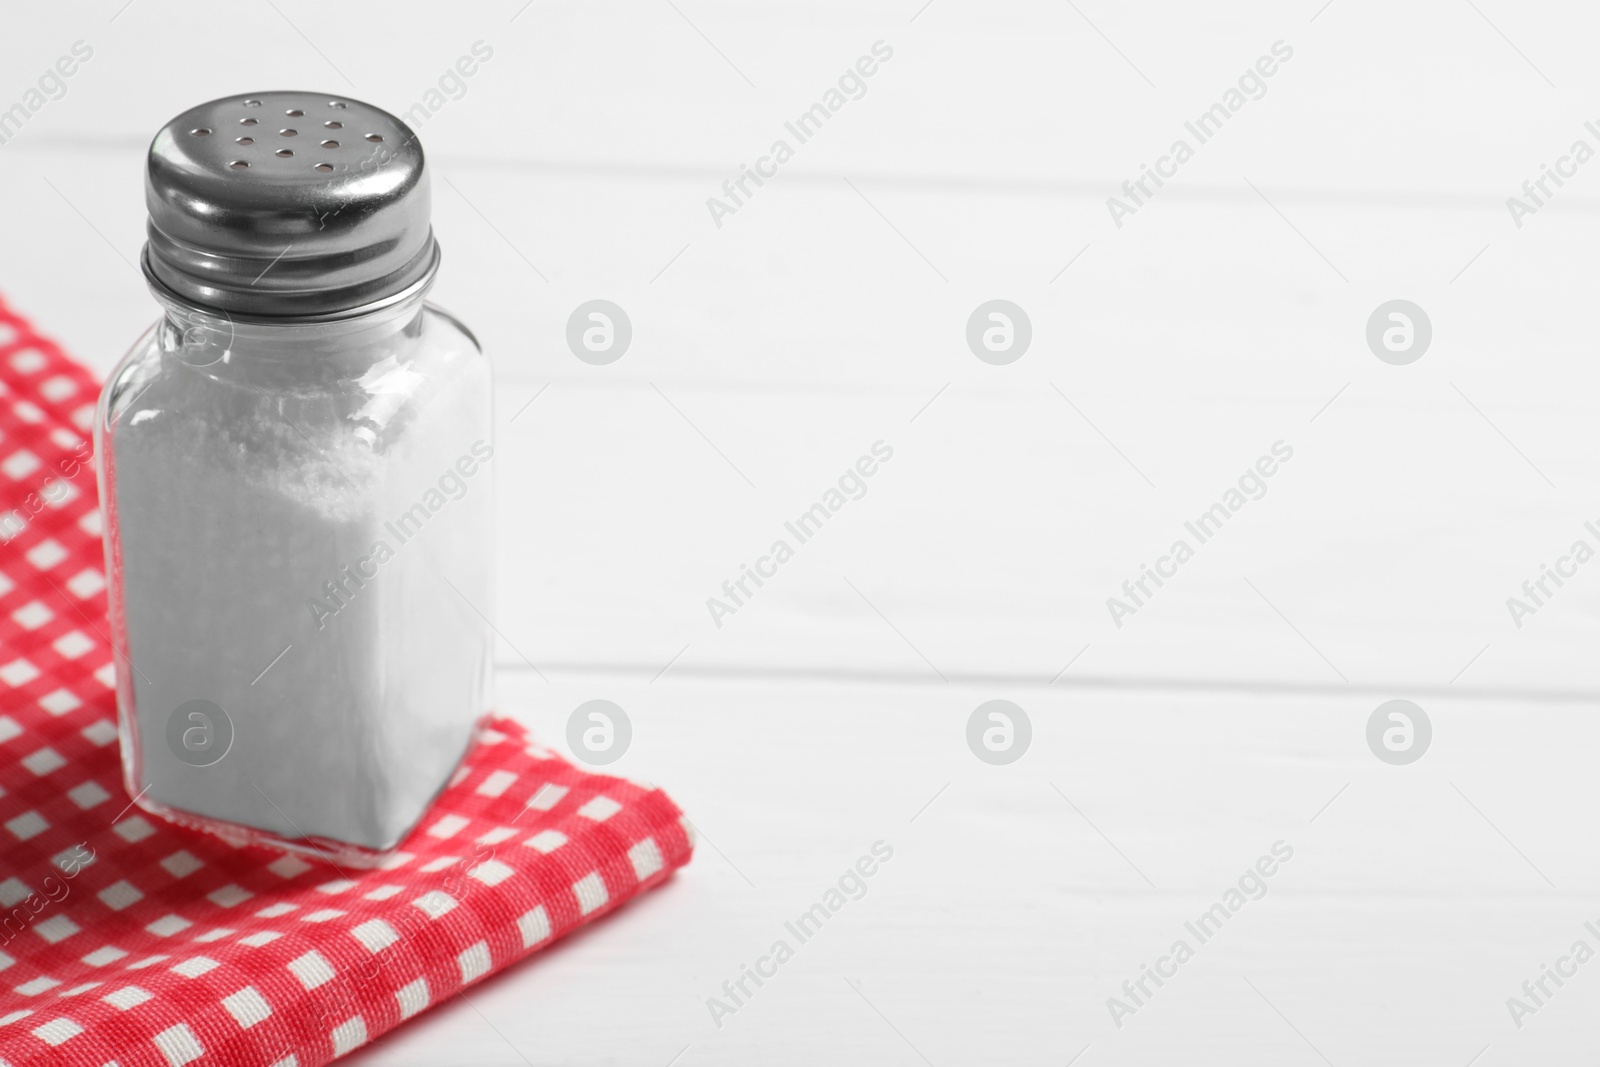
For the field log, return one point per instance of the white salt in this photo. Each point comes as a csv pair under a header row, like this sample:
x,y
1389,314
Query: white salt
x,y
302,531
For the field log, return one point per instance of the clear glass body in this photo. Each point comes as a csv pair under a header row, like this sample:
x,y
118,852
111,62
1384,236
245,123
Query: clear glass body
x,y
297,528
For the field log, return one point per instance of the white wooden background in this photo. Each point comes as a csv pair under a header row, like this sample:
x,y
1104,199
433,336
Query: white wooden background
x,y
825,315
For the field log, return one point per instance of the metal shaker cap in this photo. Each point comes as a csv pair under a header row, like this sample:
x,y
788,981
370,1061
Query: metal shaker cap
x,y
288,205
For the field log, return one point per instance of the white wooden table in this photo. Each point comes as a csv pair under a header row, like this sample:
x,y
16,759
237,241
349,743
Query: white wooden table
x,y
828,313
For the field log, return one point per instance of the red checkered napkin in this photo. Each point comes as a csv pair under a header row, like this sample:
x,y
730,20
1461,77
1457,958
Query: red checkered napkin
x,y
125,941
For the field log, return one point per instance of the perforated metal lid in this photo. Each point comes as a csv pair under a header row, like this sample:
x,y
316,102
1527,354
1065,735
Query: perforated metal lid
x,y
288,204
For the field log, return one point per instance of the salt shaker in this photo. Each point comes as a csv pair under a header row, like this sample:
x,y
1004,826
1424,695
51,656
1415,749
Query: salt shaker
x,y
295,474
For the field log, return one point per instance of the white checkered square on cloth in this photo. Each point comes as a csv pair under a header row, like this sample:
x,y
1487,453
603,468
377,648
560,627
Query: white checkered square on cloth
x,y
127,940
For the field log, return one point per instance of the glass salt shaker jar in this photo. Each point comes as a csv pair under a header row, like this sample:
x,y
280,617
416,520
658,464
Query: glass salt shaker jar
x,y
295,471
